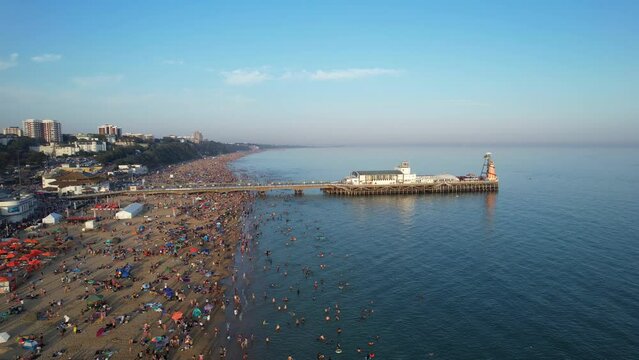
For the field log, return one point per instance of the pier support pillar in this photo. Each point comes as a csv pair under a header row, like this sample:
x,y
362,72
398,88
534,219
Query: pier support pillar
x,y
299,192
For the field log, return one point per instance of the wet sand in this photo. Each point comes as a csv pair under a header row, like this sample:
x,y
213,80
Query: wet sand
x,y
187,245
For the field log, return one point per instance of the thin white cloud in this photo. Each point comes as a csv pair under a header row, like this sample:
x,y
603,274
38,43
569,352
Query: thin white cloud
x,y
46,58
173,62
9,62
252,76
245,77
97,80
350,74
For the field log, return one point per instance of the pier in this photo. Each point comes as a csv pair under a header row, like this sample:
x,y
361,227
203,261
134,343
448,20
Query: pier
x,y
338,189
445,187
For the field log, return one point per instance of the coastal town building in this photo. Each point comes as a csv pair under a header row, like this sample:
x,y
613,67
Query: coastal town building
x,y
16,208
145,137
76,183
47,130
91,146
56,150
197,137
12,130
52,131
132,169
32,128
108,129
400,175
90,169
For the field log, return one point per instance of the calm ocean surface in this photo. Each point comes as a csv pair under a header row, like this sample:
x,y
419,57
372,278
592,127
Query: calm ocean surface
x,y
545,269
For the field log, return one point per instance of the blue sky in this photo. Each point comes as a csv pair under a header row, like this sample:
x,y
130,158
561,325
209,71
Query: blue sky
x,y
328,72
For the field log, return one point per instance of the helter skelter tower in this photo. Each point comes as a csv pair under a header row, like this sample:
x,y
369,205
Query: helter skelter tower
x,y
488,170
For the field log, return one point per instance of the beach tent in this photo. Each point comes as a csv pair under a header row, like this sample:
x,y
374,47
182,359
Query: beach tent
x,y
90,225
197,312
94,299
130,211
53,218
4,337
123,272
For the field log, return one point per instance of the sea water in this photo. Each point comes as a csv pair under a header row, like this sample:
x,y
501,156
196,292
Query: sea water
x,y
547,268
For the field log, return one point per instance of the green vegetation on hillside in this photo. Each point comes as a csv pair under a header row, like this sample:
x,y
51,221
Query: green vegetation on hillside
x,y
166,152
18,149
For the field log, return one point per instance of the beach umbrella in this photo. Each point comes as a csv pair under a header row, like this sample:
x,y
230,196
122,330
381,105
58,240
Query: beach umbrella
x,y
48,254
23,258
177,315
197,312
168,292
3,252
35,262
4,337
11,255
31,241
92,299
36,252
193,250
100,332
12,264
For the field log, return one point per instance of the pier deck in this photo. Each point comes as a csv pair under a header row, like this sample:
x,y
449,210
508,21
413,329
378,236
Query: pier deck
x,y
338,189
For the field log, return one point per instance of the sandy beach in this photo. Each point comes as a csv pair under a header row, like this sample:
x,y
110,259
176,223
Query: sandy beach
x,y
149,287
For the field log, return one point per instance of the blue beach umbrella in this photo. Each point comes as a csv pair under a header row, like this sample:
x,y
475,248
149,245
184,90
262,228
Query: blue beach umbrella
x,y
169,293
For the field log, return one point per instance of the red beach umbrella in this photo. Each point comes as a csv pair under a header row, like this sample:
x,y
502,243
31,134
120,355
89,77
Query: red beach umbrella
x,y
36,252
31,241
48,253
13,264
177,315
35,262
10,255
3,252
193,250
23,258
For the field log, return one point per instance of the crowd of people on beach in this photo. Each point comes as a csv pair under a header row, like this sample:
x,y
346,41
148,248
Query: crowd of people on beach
x,y
102,297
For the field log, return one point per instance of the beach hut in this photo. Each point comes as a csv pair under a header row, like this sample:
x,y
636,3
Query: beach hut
x,y
7,284
53,218
130,211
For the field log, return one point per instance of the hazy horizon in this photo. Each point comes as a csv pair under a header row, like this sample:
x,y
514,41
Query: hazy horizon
x,y
328,73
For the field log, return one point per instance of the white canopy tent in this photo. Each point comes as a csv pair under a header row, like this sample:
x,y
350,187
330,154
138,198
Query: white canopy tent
x,y
4,337
53,218
130,211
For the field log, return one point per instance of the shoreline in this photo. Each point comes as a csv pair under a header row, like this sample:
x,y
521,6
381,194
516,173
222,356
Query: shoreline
x,y
209,227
